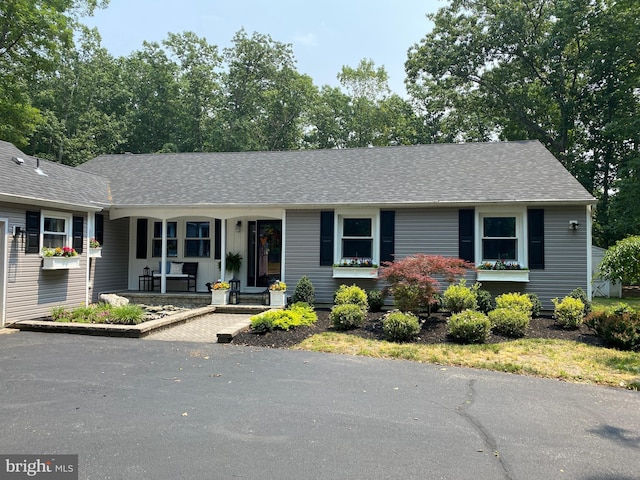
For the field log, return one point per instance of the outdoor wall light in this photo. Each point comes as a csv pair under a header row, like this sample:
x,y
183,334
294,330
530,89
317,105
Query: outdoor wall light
x,y
18,231
238,226
573,224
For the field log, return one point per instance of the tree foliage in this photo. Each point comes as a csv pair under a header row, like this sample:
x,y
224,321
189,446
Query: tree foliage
x,y
622,261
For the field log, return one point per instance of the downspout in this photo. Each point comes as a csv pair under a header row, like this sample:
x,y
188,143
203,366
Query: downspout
x,y
589,254
163,263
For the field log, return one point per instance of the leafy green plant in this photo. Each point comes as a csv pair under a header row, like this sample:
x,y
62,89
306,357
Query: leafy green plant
x,y
581,295
126,314
375,299
459,297
569,312
304,291
351,295
60,314
516,301
509,322
298,315
400,327
618,326
347,316
412,279
485,301
469,326
536,304
622,261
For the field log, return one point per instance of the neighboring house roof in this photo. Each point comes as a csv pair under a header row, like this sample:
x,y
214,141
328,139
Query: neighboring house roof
x,y
469,173
61,185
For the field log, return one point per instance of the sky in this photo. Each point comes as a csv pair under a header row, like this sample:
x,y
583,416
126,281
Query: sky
x,y
325,35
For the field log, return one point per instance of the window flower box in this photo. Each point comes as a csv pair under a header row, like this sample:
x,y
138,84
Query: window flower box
x,y
355,272
95,252
60,263
502,275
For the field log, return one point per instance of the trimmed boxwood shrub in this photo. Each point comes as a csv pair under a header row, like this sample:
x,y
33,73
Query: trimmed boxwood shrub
x,y
400,327
469,326
519,301
581,295
375,298
351,295
509,322
485,301
459,297
569,312
347,316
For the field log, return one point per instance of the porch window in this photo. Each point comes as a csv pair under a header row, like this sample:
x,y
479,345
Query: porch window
x,y
172,239
198,239
56,230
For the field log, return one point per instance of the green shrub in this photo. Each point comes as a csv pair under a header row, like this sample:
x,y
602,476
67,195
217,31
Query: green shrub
x,y
569,312
375,298
536,304
125,314
60,314
352,295
509,322
469,326
304,291
298,315
459,297
485,301
618,325
347,316
400,327
581,295
515,301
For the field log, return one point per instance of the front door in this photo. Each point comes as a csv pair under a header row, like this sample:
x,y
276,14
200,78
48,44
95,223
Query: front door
x,y
265,252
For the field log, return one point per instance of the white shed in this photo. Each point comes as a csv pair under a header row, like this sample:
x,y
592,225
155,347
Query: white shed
x,y
599,286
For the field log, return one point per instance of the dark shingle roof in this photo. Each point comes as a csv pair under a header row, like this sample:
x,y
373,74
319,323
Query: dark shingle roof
x,y
62,184
419,175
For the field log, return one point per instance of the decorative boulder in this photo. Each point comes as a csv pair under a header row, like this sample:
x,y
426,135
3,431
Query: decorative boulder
x,y
113,299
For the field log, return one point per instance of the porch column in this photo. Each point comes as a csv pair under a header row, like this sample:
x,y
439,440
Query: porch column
x,y
283,234
589,226
163,263
223,249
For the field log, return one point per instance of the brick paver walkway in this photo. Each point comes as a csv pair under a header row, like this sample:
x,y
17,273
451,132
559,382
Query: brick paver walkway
x,y
203,329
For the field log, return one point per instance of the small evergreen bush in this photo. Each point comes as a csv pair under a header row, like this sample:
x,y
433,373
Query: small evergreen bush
x,y
485,301
298,315
509,322
375,298
569,312
536,304
400,327
618,326
304,292
459,297
581,295
515,301
469,326
353,295
347,316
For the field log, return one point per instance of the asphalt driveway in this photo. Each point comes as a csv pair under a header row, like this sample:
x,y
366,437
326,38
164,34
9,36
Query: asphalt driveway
x,y
134,409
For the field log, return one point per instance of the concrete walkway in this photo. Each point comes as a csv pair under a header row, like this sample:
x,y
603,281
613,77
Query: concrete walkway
x,y
212,328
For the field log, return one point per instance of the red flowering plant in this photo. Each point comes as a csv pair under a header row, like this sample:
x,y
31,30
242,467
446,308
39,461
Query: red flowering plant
x,y
412,283
59,252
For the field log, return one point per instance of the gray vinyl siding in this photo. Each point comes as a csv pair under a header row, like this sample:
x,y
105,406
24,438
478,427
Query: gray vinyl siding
x,y
428,231
110,273
31,291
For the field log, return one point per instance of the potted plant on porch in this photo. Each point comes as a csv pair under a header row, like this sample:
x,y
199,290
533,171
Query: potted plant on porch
x,y
220,293
278,294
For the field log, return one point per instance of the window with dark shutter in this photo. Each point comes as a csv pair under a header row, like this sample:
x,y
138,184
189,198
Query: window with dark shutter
x,y
466,222
78,234
32,243
217,239
387,232
99,228
141,238
326,238
535,224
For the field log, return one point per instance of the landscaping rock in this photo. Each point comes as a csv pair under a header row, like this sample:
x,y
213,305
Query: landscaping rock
x,y
113,299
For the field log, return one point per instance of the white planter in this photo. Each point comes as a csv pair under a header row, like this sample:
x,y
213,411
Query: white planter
x,y
60,263
219,297
95,252
355,272
278,298
502,275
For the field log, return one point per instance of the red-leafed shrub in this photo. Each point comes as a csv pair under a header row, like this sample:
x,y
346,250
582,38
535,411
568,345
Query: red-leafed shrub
x,y
412,283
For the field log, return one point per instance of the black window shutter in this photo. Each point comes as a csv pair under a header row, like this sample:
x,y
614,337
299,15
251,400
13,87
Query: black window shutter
x,y
466,222
141,237
535,224
326,237
217,239
33,232
99,228
387,234
78,234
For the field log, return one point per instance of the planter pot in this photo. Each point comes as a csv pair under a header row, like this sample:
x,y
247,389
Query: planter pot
x,y
95,252
60,263
219,297
278,298
502,275
355,272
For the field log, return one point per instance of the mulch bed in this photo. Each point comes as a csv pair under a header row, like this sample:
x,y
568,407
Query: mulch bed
x,y
434,330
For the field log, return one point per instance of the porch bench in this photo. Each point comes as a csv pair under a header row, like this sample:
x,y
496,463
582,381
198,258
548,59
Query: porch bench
x,y
189,275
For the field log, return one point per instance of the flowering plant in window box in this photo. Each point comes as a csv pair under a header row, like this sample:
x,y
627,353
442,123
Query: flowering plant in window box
x,y
502,271
356,262
501,265
59,252
355,268
278,286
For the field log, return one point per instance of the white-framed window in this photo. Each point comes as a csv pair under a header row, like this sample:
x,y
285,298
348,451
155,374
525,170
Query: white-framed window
x,y
56,229
357,237
197,241
501,235
172,239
